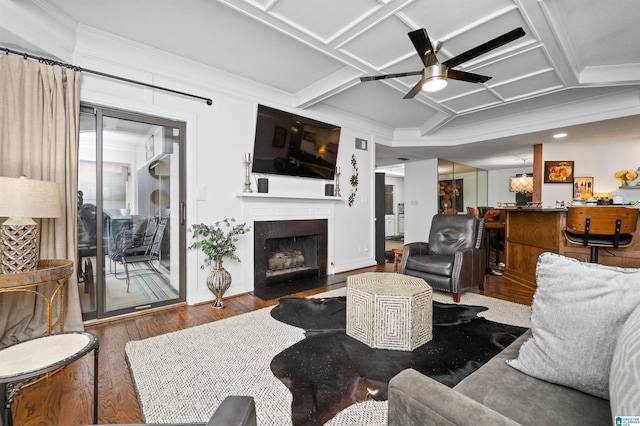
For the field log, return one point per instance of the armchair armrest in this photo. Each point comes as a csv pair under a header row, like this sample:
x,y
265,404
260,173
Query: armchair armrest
x,y
415,399
416,248
463,268
411,249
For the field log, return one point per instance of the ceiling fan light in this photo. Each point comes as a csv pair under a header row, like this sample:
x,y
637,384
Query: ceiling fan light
x,y
435,78
434,84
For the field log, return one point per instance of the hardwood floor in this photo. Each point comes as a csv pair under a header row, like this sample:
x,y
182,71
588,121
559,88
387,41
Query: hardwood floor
x,y
66,398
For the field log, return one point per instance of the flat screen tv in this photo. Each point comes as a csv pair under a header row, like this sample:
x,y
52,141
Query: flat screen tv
x,y
288,144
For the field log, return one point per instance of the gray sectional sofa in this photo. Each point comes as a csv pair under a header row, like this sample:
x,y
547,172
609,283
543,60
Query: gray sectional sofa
x,y
499,394
494,395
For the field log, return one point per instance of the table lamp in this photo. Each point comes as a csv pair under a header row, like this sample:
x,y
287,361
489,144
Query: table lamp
x,y
21,200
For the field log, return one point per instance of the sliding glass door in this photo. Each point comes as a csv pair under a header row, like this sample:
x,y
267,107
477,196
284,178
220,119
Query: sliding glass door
x,y
130,229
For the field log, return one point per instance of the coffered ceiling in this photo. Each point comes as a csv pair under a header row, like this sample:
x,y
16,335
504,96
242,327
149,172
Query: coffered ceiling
x,y
578,63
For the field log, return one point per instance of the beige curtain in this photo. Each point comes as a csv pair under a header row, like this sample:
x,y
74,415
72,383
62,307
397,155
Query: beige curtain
x,y
39,113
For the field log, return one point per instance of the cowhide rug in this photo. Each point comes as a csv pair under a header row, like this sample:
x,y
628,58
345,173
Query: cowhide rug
x,y
328,370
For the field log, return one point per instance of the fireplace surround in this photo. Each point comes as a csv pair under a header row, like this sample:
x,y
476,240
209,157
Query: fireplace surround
x,y
289,256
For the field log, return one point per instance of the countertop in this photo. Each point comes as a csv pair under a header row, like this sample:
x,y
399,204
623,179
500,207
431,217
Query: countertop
x,y
534,209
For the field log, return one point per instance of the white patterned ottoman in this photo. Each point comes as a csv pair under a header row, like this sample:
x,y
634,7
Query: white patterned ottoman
x,y
389,311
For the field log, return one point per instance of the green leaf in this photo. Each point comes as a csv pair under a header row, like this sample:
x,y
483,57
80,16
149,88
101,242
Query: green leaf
x,y
216,242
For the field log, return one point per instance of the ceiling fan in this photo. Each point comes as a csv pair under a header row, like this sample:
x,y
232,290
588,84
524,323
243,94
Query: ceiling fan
x,y
435,74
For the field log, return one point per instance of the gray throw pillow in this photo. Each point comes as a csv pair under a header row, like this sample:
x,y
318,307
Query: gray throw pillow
x,y
624,378
577,313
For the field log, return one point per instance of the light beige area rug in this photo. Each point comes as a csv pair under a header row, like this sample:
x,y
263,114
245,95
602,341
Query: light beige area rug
x,y
182,377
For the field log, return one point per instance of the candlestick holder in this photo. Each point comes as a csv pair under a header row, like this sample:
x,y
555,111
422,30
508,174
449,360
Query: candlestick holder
x,y
247,180
337,184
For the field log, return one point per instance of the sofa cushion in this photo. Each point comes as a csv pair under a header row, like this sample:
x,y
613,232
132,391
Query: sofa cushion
x,y
528,400
577,314
624,379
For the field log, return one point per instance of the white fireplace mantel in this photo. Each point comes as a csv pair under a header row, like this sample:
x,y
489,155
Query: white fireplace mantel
x,y
289,196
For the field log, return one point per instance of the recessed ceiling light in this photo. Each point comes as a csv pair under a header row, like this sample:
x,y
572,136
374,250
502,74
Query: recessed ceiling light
x,y
560,135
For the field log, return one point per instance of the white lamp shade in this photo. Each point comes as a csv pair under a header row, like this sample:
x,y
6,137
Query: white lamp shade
x,y
521,183
21,197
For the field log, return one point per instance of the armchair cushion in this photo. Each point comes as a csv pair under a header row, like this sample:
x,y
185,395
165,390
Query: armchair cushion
x,y
438,264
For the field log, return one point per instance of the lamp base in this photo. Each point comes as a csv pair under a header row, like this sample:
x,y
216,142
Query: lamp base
x,y
18,248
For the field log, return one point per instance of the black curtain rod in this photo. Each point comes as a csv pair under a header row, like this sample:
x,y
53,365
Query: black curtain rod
x,y
115,77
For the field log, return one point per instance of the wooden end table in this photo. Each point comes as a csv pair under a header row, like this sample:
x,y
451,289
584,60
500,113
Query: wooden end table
x,y
56,272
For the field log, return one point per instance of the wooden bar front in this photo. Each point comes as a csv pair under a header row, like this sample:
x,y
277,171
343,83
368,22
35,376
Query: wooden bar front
x,y
533,231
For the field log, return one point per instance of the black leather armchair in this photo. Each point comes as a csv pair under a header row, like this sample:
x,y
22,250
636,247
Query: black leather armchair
x,y
452,260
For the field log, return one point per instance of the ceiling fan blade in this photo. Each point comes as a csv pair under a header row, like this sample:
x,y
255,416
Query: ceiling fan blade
x,y
415,90
384,76
485,47
467,76
421,42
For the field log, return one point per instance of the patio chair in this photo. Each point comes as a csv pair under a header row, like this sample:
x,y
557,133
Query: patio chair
x,y
141,247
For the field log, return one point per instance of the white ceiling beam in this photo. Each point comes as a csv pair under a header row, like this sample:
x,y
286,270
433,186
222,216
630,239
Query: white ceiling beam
x,y
331,85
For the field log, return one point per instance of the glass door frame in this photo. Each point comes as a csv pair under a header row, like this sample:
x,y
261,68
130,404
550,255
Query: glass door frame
x,y
100,112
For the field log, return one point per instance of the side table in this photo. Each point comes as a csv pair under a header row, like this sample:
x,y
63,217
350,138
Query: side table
x,y
56,272
397,257
34,358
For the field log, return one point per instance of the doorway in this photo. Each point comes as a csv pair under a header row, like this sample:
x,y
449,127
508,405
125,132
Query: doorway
x,y
394,223
130,224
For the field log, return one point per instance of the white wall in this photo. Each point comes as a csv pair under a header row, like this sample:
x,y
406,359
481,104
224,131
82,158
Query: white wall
x,y
600,160
354,225
421,198
498,186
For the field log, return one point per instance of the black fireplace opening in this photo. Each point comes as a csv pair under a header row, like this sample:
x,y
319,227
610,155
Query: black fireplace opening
x,y
290,256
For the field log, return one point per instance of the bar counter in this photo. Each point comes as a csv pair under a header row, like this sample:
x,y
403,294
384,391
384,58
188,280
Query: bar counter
x,y
534,230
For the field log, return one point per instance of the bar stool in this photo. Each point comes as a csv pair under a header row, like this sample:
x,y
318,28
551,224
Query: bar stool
x,y
495,224
482,210
34,358
473,211
601,226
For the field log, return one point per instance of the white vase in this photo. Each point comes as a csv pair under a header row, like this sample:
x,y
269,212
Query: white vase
x,y
218,281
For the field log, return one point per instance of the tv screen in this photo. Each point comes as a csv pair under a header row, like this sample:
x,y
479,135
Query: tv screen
x,y
288,144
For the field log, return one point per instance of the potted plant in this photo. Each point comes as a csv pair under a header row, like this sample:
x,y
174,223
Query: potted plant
x,y
624,176
218,241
